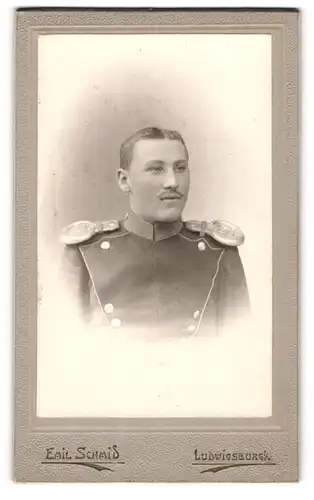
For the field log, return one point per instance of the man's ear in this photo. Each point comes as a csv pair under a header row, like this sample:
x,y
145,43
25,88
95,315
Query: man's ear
x,y
123,180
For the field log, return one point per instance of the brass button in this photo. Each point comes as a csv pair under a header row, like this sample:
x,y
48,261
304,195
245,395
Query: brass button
x,y
196,314
116,322
201,246
105,245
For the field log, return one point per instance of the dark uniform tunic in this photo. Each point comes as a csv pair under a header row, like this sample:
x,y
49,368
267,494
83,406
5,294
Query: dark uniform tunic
x,y
160,279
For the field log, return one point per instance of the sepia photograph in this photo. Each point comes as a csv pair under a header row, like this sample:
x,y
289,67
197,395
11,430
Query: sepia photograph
x,y
154,225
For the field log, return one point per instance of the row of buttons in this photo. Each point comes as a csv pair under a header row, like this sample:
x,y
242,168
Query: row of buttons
x,y
115,322
192,328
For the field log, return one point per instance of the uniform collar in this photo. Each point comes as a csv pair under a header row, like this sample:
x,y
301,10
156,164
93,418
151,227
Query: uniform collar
x,y
155,232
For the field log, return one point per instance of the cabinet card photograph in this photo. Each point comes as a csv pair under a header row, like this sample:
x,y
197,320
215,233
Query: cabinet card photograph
x,y
157,245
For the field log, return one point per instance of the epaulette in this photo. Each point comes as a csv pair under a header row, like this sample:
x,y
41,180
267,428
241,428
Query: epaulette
x,y
81,231
222,231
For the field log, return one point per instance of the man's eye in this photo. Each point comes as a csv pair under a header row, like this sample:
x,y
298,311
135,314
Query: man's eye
x,y
181,168
156,168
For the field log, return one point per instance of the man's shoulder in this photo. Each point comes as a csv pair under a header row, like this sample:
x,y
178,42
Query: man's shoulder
x,y
86,232
218,233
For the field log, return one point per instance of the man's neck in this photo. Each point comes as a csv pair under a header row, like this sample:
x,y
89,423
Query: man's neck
x,y
154,231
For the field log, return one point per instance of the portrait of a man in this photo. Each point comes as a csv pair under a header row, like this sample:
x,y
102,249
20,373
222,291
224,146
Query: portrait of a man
x,y
153,271
154,225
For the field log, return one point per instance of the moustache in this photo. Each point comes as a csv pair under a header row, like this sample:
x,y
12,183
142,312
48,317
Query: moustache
x,y
169,195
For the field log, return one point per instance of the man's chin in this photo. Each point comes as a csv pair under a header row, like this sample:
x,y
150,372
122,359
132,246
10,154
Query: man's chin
x,y
170,215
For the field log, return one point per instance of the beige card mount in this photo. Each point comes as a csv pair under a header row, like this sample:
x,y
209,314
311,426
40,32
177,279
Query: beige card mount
x,y
145,387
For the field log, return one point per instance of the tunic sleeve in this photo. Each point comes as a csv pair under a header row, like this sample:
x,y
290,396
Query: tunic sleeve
x,y
77,278
232,297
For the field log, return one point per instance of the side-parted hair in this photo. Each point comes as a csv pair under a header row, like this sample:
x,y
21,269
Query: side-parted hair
x,y
127,147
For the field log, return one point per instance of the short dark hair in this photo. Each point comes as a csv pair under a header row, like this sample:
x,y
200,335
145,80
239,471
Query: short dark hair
x,y
127,147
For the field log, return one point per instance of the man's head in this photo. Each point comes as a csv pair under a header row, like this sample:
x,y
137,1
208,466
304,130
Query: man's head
x,y
154,171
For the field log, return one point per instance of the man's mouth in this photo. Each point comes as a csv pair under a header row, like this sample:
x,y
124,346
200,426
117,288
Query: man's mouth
x,y
171,196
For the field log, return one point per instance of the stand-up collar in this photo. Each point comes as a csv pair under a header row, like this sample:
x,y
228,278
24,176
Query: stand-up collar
x,y
155,232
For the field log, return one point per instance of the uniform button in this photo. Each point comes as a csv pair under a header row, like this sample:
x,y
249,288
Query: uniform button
x,y
116,322
201,246
108,308
105,245
191,328
196,314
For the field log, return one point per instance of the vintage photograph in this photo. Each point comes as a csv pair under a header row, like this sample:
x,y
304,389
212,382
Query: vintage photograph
x,y
154,225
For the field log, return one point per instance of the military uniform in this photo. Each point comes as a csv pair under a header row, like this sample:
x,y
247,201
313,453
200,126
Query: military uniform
x,y
168,279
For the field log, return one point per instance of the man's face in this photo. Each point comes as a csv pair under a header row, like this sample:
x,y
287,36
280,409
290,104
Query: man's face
x,y
158,179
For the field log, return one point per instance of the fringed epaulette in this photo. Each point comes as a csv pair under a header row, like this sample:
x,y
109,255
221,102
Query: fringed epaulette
x,y
81,231
222,231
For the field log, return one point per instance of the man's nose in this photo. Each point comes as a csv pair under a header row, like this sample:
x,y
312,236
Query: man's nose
x,y
170,180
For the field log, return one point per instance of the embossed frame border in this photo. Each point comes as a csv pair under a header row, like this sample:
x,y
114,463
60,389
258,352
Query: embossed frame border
x,y
162,449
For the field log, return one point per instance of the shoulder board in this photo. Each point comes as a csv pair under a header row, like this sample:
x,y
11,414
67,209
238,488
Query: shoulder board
x,y
83,230
222,231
